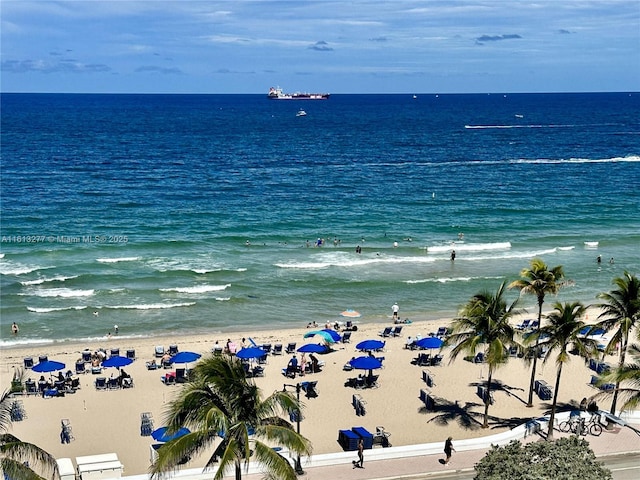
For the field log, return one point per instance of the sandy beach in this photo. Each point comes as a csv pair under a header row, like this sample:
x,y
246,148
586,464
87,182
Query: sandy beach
x,y
108,421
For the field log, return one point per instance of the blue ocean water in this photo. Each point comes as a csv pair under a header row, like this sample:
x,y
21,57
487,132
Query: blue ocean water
x,y
178,214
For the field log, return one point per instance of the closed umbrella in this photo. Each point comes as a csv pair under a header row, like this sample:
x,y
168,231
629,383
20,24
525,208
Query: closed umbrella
x,y
48,366
251,352
117,361
312,348
369,345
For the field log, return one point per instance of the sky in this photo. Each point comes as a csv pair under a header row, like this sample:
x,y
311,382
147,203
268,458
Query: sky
x,y
322,46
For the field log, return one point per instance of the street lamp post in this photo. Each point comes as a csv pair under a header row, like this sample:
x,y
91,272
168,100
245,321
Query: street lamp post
x,y
298,465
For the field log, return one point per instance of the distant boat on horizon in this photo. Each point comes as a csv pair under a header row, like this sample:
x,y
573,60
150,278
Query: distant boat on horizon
x,y
276,93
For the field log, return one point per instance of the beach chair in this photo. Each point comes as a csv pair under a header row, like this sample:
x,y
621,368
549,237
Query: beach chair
x,y
131,354
152,365
437,359
442,332
42,358
423,359
217,349
113,384
427,378
479,358
181,375
28,362
291,348
358,405
346,337
524,324
159,351
173,349
30,387
310,389
169,378
371,381
115,352
146,424
381,437
267,348
101,383
396,331
80,368
534,324
386,332
277,349
257,371
86,356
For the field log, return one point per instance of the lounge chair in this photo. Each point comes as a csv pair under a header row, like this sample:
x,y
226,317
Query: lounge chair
x,y
42,358
86,356
28,362
386,332
346,337
152,365
396,331
291,348
113,384
80,368
534,324
525,324
267,348
30,387
173,349
481,391
115,352
169,378
127,382
371,381
146,424
479,358
437,359
101,383
428,378
423,359
257,371
309,388
131,354
427,399
381,437
159,351
181,375
358,404
442,332
277,349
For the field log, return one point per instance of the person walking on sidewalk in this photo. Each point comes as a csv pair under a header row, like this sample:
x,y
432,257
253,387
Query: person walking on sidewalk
x,y
448,448
360,462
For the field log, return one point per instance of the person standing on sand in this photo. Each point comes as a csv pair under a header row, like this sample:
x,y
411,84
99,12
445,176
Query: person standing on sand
x,y
448,449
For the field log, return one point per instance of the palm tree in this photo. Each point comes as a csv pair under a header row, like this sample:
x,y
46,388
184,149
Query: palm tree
x,y
219,401
628,374
538,280
620,310
17,457
562,331
484,320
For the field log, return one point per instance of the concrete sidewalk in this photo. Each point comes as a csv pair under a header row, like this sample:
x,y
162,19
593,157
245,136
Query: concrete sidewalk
x,y
617,441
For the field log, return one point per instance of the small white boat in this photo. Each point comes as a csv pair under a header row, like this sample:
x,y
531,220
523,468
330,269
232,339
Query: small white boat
x,y
301,113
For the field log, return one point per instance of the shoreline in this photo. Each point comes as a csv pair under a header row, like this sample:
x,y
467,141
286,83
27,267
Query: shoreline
x,y
101,420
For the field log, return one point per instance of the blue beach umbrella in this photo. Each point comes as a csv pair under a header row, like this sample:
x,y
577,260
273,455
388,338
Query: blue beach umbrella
x,y
185,357
48,366
117,361
365,363
251,352
429,342
590,331
368,345
326,336
161,435
312,348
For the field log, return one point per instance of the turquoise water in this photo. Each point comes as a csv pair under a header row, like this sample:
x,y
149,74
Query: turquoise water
x,y
175,214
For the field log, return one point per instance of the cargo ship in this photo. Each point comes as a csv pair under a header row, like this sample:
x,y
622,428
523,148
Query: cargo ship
x,y
276,93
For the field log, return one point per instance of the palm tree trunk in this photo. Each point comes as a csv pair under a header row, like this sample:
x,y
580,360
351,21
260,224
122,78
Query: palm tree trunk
x,y
487,400
623,354
552,417
532,382
238,469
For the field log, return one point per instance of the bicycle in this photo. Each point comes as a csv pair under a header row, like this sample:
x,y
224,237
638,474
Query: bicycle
x,y
578,426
